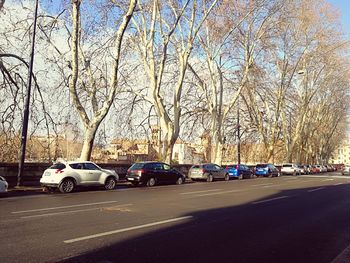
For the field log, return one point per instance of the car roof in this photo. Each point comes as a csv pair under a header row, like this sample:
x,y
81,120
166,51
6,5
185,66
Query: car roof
x,y
73,162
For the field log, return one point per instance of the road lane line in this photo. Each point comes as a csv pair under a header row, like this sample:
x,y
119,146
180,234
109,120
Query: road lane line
x,y
330,179
316,189
70,212
220,193
269,200
126,229
198,192
343,257
61,207
338,184
262,184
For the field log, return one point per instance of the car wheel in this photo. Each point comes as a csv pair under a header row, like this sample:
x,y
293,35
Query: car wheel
x,y
110,183
210,178
67,186
227,177
179,180
151,182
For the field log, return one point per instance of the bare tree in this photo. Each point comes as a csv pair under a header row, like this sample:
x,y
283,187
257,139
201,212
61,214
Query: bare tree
x,y
157,27
92,123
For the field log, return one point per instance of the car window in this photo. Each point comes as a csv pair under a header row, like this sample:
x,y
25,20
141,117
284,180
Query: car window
x,y
137,166
195,167
217,167
90,166
76,166
156,166
261,166
287,165
59,166
166,166
209,167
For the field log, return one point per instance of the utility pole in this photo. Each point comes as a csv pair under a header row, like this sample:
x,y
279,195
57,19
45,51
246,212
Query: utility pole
x,y
27,102
238,135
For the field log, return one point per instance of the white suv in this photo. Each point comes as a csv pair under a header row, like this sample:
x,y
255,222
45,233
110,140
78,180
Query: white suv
x,y
67,175
290,168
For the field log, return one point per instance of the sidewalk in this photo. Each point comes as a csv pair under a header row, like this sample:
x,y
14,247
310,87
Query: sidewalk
x,y
22,191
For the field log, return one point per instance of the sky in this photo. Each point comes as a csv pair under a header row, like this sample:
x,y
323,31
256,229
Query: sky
x,y
344,7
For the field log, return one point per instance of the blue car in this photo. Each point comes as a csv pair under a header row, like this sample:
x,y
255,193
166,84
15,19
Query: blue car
x,y
266,170
239,171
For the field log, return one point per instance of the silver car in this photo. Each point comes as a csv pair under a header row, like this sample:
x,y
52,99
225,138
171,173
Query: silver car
x,y
208,172
345,170
290,168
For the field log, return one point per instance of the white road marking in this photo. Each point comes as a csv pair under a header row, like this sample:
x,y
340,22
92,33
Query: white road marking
x,y
316,189
126,229
198,192
61,207
69,212
220,193
269,200
338,184
262,184
330,179
343,257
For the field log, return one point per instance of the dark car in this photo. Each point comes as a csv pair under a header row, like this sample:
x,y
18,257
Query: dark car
x,y
266,170
152,173
208,172
239,171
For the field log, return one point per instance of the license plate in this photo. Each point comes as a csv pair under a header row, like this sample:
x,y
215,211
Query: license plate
x,y
131,179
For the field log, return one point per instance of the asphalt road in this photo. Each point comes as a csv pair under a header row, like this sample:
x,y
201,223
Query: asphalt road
x,y
285,219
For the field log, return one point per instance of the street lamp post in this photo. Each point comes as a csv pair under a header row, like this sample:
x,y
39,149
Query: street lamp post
x,y
238,135
27,102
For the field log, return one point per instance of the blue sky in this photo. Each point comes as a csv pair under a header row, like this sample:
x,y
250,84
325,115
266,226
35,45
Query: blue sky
x,y
344,7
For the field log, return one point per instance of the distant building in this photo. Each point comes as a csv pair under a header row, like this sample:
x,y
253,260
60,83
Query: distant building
x,y
341,155
186,153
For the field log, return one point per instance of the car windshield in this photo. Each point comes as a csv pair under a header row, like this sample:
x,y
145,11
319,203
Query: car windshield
x,y
59,166
196,167
287,165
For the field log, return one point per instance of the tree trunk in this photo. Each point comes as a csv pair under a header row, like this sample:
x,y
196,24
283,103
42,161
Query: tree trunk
x,y
88,144
217,153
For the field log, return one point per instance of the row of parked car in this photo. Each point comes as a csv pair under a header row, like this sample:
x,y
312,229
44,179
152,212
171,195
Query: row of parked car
x,y
295,169
66,176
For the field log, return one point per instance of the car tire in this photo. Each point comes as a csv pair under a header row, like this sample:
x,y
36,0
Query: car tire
x,y
179,180
110,183
227,177
67,186
210,178
151,182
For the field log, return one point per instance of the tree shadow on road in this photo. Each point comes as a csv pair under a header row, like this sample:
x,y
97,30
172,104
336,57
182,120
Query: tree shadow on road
x,y
297,225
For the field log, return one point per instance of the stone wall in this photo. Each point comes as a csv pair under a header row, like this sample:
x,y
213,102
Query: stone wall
x,y
33,171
